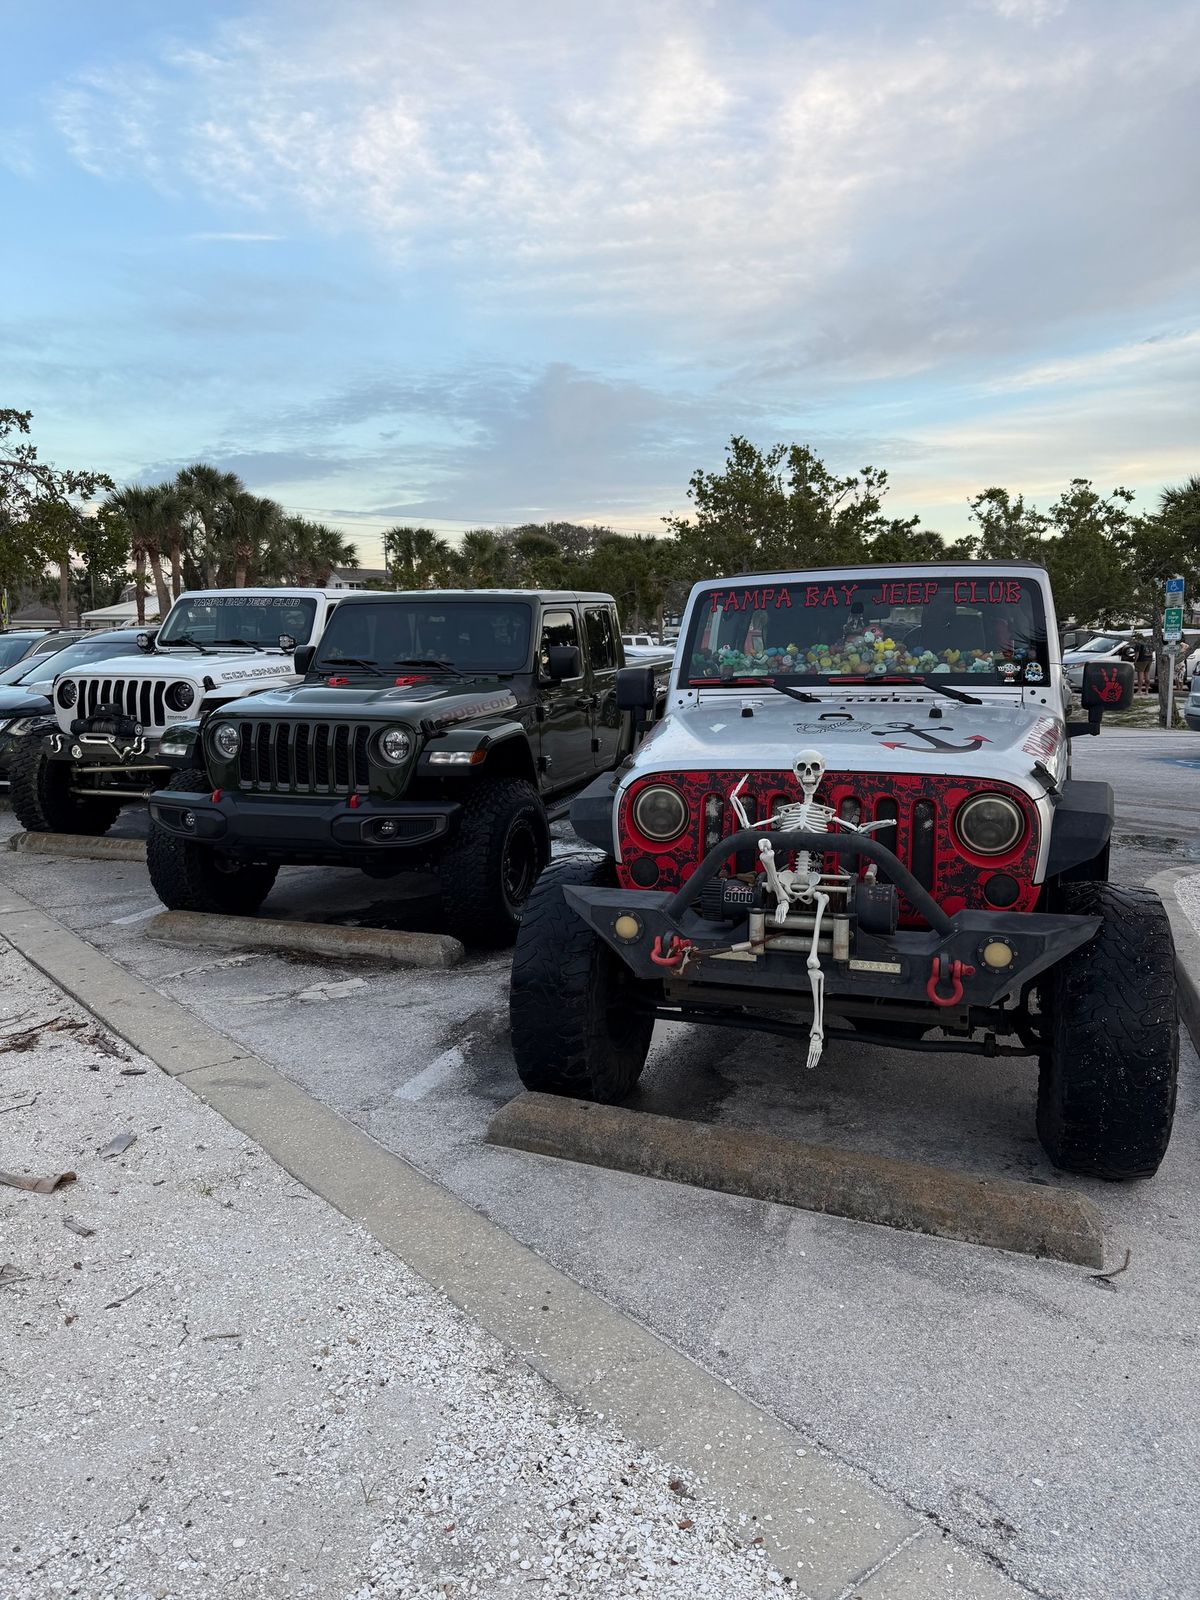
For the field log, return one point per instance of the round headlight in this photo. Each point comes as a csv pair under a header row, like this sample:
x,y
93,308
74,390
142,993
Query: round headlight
x,y
226,740
660,813
989,824
395,745
67,692
180,696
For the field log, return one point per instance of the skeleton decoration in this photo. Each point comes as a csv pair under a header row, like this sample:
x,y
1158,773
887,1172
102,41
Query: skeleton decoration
x,y
805,885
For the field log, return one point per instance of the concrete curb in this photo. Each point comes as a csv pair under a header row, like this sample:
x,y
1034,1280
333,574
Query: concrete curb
x,y
1029,1218
822,1523
1187,947
312,938
81,846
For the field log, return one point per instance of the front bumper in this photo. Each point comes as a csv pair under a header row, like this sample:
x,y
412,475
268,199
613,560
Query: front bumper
x,y
942,967
301,828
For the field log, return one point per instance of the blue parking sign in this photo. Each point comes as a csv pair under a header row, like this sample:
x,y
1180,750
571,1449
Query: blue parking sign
x,y
1174,585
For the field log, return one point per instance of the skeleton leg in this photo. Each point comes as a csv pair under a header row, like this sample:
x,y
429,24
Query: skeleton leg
x,y
816,978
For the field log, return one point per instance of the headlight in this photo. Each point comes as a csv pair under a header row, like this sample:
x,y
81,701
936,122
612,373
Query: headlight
x,y
395,745
227,740
19,726
660,813
67,692
180,696
989,824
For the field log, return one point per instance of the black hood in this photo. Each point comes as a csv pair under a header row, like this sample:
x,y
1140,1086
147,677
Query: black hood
x,y
456,700
18,702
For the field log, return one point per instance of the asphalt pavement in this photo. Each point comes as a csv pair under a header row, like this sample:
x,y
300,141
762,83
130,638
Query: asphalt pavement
x,y
1043,1414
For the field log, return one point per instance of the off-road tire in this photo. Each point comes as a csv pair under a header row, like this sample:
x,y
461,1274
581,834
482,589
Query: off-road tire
x,y
1106,1086
573,1004
39,791
489,868
199,877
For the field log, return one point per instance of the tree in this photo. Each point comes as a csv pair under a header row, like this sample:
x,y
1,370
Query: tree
x,y
1009,530
102,545
256,537
140,508
1084,554
416,558
1159,547
482,561
538,561
39,508
208,493
776,510
308,552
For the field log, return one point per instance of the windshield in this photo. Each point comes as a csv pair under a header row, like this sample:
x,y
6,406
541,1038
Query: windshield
x,y
14,647
45,668
253,619
1099,646
987,630
487,636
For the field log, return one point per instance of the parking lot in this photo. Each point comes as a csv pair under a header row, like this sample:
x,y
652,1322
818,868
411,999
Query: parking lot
x,y
1037,1411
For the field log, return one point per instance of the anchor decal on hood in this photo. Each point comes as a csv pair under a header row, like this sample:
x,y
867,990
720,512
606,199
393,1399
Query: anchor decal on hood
x,y
975,741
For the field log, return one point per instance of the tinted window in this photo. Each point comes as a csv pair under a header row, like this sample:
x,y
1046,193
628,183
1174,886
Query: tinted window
x,y
558,627
472,635
254,619
13,647
602,643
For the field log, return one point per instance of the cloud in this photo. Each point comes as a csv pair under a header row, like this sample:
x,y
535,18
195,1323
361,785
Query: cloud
x,y
237,238
640,162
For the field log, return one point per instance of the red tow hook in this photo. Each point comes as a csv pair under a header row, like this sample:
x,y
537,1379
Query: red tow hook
x,y
672,956
957,973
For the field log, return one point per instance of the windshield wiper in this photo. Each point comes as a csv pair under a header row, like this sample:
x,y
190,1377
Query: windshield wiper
x,y
425,661
186,638
928,680
249,644
333,667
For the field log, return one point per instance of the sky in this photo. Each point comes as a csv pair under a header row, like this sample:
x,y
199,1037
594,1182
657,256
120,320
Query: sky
x,y
480,262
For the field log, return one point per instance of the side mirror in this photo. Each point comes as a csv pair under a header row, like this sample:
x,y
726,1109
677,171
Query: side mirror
x,y
303,658
1107,687
636,689
145,641
564,661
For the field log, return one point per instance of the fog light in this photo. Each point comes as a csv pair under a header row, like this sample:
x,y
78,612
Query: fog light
x,y
76,753
188,819
386,829
627,927
997,954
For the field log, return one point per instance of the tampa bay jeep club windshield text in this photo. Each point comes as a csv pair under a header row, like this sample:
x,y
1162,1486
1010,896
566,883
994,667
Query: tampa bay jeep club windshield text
x,y
988,628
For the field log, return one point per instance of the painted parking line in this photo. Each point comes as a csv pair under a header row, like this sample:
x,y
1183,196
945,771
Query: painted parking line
x,y
138,916
434,1075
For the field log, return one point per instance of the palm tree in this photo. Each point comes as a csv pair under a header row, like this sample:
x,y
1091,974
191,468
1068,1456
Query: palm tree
x,y
416,558
140,507
309,552
254,524
483,561
208,492
172,516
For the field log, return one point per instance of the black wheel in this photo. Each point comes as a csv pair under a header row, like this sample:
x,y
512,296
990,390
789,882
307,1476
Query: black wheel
x,y
40,795
577,1025
199,877
489,869
1106,1087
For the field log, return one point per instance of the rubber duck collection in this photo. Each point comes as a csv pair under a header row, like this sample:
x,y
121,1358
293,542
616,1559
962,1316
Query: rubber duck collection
x,y
869,651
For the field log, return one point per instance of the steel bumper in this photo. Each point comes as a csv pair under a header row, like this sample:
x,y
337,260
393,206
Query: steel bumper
x,y
943,965
302,826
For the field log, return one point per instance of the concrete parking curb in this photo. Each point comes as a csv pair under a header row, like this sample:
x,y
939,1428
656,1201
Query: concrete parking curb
x,y
823,1524
309,938
80,846
1033,1219
1187,947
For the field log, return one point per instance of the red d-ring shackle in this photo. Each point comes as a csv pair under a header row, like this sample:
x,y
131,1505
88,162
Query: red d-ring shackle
x,y
957,973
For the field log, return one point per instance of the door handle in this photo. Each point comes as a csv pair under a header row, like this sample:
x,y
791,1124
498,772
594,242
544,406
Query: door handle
x,y
587,702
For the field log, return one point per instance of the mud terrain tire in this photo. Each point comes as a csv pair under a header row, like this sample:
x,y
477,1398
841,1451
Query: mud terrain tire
x,y
1106,1087
576,1028
40,795
197,877
490,867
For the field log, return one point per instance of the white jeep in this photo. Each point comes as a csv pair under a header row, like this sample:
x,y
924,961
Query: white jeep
x,y
860,803
103,747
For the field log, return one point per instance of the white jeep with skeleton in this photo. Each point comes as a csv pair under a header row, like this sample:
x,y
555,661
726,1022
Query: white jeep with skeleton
x,y
858,813
109,741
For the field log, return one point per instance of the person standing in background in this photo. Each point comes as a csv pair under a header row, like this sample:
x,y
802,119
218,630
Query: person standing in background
x,y
1141,662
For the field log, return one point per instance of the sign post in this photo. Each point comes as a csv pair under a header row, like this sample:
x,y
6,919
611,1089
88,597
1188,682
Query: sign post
x,y
1172,633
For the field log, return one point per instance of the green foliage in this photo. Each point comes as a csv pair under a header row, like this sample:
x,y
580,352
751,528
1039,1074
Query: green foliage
x,y
417,558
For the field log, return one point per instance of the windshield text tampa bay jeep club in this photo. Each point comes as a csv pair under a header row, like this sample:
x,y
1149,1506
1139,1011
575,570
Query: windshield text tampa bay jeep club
x,y
860,803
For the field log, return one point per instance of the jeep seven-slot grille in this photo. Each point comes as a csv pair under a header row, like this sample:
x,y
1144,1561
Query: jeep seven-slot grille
x,y
303,757
143,699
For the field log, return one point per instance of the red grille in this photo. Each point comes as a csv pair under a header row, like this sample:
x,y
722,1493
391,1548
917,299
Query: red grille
x,y
924,839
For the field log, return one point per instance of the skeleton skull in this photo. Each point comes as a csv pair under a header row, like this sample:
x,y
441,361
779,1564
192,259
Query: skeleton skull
x,y
809,768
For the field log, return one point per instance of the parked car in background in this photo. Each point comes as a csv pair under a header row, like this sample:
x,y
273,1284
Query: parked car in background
x,y
1105,647
25,695
18,643
1191,706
